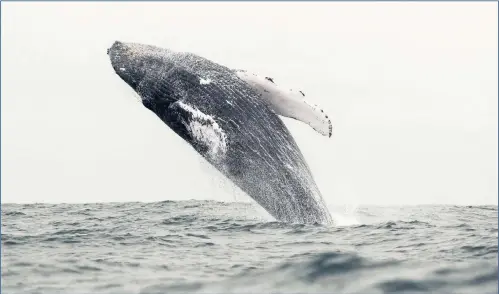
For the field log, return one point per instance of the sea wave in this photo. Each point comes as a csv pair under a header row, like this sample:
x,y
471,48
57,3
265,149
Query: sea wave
x,y
339,272
223,247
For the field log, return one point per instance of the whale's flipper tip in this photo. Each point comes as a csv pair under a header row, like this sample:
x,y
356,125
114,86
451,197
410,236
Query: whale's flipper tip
x,y
317,119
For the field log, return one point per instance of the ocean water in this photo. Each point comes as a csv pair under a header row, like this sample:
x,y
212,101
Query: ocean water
x,y
232,247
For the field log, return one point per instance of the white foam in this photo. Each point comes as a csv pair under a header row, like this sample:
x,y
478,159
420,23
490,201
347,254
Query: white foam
x,y
345,215
344,220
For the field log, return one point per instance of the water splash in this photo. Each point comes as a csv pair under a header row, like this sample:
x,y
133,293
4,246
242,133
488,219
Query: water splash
x,y
222,189
343,220
345,215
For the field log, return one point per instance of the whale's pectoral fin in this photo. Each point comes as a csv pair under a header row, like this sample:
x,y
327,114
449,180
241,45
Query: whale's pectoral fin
x,y
291,104
205,134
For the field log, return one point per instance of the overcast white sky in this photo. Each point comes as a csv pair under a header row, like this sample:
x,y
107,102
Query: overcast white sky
x,y
411,87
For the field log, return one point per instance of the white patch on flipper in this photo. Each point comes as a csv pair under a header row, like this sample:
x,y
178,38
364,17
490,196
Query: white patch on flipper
x,y
204,81
206,130
290,103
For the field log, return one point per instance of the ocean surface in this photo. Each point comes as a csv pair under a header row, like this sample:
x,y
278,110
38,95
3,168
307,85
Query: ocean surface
x,y
232,247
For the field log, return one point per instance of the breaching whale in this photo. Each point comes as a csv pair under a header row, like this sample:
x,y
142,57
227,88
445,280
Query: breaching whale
x,y
230,117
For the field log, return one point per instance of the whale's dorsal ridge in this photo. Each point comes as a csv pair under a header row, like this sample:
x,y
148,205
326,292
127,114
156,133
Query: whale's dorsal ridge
x,y
290,103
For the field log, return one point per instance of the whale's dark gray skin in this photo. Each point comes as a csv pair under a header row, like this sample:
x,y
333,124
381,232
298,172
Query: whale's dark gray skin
x,y
226,122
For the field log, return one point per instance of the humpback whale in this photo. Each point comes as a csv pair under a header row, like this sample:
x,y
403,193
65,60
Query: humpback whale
x,y
231,118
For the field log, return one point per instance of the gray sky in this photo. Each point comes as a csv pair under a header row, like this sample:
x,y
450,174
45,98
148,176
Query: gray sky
x,y
411,89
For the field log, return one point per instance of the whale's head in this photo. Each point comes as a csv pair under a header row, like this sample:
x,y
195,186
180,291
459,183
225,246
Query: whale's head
x,y
155,75
135,62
